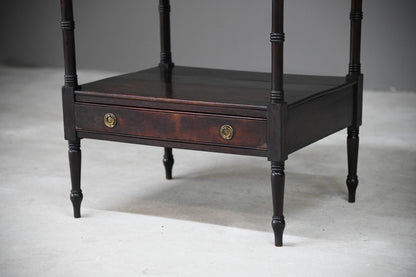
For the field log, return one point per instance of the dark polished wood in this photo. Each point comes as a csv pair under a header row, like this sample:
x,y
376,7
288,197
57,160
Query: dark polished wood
x,y
277,38
71,80
228,111
71,83
352,178
166,65
168,162
278,189
319,117
356,17
175,144
244,91
165,47
68,105
76,196
198,128
68,26
278,122
354,73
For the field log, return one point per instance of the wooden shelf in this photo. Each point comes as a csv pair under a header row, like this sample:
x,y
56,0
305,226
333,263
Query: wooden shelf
x,y
205,87
223,92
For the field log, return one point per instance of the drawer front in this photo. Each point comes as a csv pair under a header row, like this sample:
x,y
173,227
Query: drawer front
x,y
172,125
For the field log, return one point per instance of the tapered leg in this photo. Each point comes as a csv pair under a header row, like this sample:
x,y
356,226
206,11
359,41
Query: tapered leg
x,y
278,188
352,178
168,162
75,168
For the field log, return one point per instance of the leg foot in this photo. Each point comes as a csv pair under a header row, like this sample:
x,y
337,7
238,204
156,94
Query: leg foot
x,y
278,225
352,146
278,187
352,183
76,198
74,154
168,162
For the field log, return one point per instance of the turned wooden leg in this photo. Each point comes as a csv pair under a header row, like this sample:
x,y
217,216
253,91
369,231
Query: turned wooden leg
x,y
352,178
168,162
75,168
278,188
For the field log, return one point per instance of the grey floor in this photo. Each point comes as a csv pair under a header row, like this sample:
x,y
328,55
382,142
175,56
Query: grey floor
x,y
213,219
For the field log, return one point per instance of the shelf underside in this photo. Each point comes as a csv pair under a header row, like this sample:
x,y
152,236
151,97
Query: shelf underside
x,y
205,87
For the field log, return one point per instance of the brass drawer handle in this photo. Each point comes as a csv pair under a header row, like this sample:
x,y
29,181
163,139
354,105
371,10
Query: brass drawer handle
x,y
226,132
110,120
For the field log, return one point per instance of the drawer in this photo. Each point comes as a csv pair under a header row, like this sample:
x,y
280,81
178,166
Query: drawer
x,y
172,125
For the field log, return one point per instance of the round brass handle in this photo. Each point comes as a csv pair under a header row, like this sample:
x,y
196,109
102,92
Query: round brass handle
x,y
110,120
226,132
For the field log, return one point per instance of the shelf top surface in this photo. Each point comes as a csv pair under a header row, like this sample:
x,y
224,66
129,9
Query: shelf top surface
x,y
208,86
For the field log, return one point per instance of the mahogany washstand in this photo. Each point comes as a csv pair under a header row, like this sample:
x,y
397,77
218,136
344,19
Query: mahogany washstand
x,y
261,114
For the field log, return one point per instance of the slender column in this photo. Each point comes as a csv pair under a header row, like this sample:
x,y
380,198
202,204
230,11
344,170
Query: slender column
x,y
71,80
277,37
277,117
68,26
354,73
166,66
165,53
278,187
71,83
356,17
277,123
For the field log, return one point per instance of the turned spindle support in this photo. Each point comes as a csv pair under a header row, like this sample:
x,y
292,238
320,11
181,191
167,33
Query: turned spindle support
x,y
278,188
166,66
165,48
356,16
68,26
168,162
277,122
71,83
354,74
76,196
352,178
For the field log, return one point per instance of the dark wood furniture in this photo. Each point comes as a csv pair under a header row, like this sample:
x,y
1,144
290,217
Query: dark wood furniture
x,y
261,114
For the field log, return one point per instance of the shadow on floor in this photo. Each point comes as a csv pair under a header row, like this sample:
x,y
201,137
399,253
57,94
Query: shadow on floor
x,y
235,195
